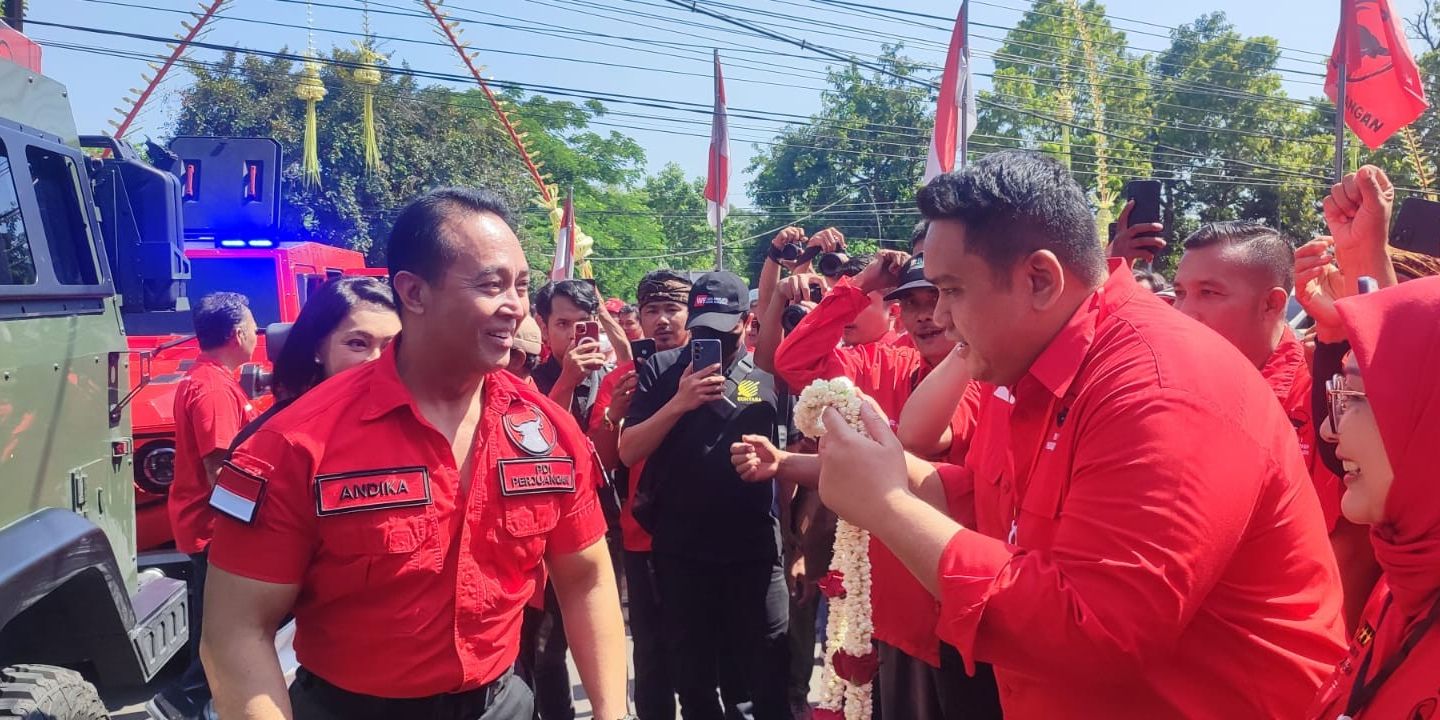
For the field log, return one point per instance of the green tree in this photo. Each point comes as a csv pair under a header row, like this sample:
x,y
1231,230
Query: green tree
x,y
1065,84
1227,138
857,163
429,137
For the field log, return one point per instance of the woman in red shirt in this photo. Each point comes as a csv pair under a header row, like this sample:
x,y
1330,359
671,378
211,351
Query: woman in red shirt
x,y
1385,413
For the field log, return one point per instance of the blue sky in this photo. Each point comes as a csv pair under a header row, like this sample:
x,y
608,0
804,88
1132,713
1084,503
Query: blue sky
x,y
563,43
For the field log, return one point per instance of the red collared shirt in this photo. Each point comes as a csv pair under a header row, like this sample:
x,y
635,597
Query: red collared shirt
x,y
210,410
1289,376
351,494
632,536
1147,544
903,611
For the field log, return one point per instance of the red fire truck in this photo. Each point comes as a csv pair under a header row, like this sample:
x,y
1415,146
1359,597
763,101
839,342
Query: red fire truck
x,y
230,203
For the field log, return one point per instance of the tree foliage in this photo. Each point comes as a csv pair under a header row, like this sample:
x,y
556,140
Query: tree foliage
x,y
857,163
432,136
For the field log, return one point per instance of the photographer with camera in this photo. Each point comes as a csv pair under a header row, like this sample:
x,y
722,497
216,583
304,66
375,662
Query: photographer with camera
x,y
790,250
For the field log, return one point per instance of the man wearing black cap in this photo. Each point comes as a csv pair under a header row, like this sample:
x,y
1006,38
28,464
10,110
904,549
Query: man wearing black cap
x,y
716,538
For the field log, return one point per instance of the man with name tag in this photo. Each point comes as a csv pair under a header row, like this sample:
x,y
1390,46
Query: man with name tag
x,y
402,510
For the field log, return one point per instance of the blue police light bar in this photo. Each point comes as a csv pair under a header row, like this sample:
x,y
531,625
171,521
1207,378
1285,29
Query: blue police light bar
x,y
252,243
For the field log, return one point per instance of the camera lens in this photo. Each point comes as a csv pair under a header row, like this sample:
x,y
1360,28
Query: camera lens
x,y
791,252
792,316
832,264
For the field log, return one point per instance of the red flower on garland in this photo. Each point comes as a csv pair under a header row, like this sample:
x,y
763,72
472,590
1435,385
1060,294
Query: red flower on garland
x,y
856,670
826,714
833,584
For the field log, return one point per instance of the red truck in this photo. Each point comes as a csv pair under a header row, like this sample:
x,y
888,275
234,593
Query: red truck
x,y
230,202
277,281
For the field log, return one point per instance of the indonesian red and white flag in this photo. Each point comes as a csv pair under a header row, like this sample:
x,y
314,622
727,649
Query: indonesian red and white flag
x,y
955,90
563,267
1383,88
717,180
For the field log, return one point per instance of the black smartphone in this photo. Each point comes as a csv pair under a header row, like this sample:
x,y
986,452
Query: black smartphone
x,y
642,350
1146,194
586,330
1417,227
704,353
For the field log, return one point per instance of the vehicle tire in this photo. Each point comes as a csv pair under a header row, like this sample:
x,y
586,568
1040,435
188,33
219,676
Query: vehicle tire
x,y
46,692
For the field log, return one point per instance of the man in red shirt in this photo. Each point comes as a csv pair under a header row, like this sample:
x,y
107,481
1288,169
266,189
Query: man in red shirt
x,y
1235,278
210,410
905,614
402,511
1146,541
661,299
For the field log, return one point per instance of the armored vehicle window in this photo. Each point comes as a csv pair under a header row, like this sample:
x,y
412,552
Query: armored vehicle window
x,y
62,210
17,265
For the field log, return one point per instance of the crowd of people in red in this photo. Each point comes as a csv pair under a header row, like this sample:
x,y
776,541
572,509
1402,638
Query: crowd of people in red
x,y
1090,493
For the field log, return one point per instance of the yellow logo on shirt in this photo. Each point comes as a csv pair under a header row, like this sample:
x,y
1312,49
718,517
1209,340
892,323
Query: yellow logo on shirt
x,y
748,391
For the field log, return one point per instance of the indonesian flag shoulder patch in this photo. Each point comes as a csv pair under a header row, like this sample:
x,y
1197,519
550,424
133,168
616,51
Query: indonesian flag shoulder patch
x,y
237,493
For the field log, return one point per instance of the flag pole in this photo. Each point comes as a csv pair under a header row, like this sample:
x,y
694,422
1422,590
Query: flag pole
x,y
715,163
1340,81
964,150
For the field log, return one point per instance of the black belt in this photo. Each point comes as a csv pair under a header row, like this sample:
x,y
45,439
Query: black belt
x,y
467,705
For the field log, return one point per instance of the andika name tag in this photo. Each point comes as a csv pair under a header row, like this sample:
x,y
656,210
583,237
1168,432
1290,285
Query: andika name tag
x,y
530,476
371,490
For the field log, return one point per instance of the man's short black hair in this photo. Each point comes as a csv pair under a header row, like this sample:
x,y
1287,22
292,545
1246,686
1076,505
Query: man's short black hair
x,y
216,316
918,234
1013,203
578,292
418,242
1260,247
1152,281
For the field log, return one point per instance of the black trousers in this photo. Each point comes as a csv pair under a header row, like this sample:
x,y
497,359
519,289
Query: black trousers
x,y
654,692
910,689
542,660
190,692
725,625
312,698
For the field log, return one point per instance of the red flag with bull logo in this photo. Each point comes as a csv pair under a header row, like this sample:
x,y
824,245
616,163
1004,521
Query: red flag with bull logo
x,y
1383,89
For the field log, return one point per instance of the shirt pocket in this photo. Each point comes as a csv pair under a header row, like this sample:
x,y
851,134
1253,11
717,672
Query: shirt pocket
x,y
1045,495
525,525
371,550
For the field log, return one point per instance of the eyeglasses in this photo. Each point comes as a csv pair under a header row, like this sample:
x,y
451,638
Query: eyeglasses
x,y
1339,400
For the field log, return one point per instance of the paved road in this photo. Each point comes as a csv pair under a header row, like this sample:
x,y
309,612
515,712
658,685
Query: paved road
x,y
131,705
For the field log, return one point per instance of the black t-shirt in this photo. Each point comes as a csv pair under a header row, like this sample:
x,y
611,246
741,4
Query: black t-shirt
x,y
701,507
548,373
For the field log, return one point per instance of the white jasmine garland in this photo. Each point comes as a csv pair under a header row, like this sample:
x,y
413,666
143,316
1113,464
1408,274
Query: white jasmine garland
x,y
849,629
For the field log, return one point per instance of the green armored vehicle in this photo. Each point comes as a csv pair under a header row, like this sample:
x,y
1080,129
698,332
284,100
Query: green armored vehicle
x,y
80,234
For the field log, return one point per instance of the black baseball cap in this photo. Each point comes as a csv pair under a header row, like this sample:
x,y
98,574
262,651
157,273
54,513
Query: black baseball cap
x,y
912,277
717,301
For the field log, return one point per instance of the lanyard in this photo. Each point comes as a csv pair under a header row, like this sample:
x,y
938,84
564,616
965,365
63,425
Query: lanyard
x,y
1362,692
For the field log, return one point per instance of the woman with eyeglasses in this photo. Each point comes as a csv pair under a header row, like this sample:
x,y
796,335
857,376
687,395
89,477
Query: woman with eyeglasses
x,y
1384,415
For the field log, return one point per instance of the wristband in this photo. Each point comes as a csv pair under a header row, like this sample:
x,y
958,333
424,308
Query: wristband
x,y
774,254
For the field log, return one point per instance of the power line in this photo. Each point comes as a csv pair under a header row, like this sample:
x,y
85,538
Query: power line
x,y
696,108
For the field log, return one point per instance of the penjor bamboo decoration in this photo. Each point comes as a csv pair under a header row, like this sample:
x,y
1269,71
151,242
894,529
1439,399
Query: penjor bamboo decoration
x,y
311,90
368,78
